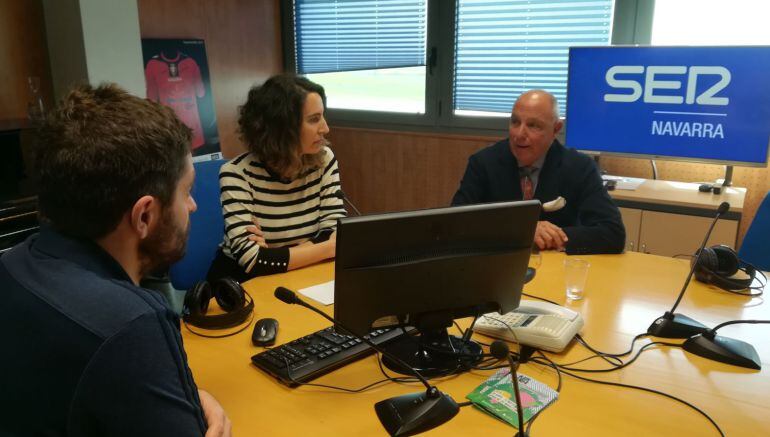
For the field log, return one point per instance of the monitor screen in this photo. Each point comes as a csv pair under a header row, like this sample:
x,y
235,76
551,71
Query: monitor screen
x,y
426,268
705,104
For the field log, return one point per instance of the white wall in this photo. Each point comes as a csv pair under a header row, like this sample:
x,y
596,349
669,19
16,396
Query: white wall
x,y
94,41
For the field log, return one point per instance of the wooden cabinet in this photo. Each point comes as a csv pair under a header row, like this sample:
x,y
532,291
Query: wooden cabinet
x,y
632,219
671,218
667,234
23,55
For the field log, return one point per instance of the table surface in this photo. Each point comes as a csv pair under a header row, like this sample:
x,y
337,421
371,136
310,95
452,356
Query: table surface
x,y
681,194
624,294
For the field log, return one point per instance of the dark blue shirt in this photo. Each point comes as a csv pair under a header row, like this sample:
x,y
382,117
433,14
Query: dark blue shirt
x,y
85,351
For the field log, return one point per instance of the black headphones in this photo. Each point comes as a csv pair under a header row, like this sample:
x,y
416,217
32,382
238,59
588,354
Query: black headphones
x,y
230,296
717,264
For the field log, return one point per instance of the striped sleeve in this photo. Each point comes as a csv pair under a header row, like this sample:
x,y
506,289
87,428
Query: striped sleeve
x,y
238,210
332,207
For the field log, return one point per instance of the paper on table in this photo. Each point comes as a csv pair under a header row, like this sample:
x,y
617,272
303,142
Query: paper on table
x,y
629,184
323,293
624,183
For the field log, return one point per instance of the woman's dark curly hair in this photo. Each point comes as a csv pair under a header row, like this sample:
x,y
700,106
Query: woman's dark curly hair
x,y
270,121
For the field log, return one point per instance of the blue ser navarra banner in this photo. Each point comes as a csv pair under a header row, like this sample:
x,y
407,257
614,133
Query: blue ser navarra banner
x,y
703,103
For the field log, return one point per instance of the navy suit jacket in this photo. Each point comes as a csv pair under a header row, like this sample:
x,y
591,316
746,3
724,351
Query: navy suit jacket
x,y
590,218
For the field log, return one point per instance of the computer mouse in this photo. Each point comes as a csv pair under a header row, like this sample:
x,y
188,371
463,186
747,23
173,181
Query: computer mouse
x,y
264,333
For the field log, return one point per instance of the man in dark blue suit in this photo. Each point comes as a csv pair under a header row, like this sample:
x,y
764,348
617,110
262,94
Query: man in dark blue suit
x,y
532,164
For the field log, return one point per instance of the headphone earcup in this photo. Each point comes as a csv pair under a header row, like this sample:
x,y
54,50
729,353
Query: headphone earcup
x,y
197,298
727,260
717,264
706,265
229,294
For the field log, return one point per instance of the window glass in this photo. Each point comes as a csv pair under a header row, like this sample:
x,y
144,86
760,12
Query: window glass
x,y
368,54
506,47
711,22
390,90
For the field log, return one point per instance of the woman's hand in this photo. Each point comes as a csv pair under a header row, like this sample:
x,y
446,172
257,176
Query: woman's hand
x,y
257,235
331,245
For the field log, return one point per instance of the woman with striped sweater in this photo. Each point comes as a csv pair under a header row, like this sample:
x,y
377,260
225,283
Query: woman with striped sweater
x,y
279,199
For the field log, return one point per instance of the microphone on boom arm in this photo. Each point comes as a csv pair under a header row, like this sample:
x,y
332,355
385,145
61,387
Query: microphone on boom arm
x,y
499,349
671,325
345,199
401,415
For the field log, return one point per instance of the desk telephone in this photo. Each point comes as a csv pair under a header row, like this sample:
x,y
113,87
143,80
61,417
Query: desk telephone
x,y
536,323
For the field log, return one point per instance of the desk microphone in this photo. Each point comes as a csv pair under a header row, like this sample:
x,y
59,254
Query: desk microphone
x,y
499,349
724,349
402,415
671,325
341,195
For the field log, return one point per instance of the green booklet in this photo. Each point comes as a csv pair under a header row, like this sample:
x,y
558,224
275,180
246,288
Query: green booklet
x,y
495,396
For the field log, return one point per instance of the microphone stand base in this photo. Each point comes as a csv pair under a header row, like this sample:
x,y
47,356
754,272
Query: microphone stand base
x,y
676,326
416,412
724,349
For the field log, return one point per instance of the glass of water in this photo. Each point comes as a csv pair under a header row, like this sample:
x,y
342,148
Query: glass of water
x,y
535,258
575,276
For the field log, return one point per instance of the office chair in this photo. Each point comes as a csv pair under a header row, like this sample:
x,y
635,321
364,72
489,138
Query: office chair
x,y
206,227
754,249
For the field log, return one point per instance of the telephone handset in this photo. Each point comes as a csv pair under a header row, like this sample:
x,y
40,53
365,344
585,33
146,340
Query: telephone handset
x,y
536,323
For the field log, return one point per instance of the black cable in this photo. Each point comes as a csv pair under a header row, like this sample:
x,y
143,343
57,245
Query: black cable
x,y
760,287
636,387
625,364
441,350
462,332
540,298
736,322
603,355
608,358
396,379
589,358
347,390
622,354
749,294
558,390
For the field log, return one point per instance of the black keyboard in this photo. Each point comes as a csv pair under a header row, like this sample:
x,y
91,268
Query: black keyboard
x,y
316,354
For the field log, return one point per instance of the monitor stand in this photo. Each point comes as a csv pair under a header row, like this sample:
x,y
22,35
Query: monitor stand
x,y
432,353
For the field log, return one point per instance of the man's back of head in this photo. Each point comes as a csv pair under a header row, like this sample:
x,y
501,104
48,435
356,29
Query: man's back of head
x,y
93,353
102,149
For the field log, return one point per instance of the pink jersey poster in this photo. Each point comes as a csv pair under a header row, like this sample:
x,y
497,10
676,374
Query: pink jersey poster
x,y
177,75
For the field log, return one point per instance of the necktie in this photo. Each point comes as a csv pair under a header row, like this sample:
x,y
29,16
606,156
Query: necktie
x,y
526,182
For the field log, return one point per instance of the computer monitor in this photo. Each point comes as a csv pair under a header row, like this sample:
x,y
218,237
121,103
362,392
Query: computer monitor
x,y
426,268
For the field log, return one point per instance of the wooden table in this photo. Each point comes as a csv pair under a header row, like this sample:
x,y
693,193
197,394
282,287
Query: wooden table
x,y
624,294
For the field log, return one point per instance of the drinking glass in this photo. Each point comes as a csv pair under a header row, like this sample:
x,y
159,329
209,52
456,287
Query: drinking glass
x,y
575,276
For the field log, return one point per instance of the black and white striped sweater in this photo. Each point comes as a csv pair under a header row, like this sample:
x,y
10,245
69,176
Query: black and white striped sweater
x,y
289,213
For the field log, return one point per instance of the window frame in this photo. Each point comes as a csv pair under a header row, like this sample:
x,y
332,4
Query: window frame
x,y
632,24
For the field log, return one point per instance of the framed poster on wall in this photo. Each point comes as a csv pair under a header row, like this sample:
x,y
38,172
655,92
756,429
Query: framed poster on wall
x,y
177,75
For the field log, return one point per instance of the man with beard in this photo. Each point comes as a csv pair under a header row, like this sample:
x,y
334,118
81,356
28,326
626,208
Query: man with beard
x,y
86,350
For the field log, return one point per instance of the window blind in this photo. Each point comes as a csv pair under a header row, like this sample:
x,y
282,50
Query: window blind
x,y
346,35
505,47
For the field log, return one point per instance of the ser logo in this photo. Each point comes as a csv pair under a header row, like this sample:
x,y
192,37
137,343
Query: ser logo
x,y
651,83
